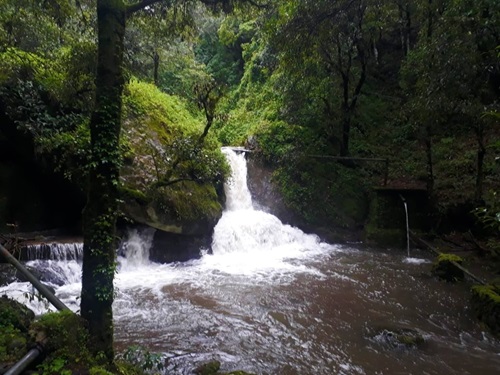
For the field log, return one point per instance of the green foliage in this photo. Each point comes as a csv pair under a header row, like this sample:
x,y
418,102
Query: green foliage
x,y
14,323
66,341
164,114
144,359
316,191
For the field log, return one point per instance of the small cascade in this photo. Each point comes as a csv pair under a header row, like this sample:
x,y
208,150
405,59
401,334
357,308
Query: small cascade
x,y
54,251
135,249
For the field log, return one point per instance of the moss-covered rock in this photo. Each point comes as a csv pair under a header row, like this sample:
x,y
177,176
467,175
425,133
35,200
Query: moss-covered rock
x,y
15,315
15,319
186,207
486,305
445,268
171,180
209,368
398,338
63,334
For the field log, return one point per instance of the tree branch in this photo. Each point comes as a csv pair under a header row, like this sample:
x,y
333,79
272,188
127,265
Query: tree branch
x,y
132,8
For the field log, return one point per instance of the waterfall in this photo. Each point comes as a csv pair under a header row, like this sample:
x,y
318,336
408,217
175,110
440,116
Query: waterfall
x,y
136,248
244,229
55,251
238,196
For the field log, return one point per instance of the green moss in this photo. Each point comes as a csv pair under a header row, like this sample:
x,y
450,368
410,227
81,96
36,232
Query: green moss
x,y
150,108
13,344
410,340
445,269
189,201
237,373
134,194
65,339
449,258
486,305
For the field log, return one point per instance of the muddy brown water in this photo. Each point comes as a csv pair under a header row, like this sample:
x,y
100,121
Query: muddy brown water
x,y
325,320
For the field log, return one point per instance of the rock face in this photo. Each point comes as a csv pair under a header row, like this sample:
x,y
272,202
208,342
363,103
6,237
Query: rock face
x,y
265,194
186,208
173,247
387,222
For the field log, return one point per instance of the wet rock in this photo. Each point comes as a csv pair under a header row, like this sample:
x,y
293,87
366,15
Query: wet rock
x,y
7,274
398,338
265,193
187,208
172,247
445,269
209,368
486,305
45,275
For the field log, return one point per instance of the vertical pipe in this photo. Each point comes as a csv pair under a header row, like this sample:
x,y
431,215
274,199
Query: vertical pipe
x,y
407,229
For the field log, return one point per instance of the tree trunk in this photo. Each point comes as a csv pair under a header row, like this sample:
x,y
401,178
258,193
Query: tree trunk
x,y
346,132
481,152
156,67
430,163
99,216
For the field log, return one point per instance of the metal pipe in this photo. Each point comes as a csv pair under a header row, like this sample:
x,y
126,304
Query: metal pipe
x,y
44,291
24,362
460,267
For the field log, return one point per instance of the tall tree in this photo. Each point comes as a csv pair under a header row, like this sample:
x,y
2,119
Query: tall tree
x,y
100,213
327,41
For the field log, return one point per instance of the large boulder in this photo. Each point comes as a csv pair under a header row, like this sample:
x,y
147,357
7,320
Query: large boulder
x,y
172,178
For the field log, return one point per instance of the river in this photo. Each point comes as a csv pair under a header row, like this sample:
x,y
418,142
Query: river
x,y
271,299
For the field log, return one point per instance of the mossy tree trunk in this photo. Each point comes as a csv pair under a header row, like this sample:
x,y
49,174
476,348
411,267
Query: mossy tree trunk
x,y
100,213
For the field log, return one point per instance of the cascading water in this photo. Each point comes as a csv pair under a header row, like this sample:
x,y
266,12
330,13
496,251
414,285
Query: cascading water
x,y
249,240
273,300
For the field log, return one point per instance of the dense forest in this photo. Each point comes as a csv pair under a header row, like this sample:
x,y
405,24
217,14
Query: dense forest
x,y
122,107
